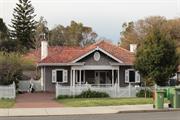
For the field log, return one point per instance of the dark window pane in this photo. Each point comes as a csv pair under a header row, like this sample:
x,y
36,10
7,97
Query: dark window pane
x,y
59,76
131,76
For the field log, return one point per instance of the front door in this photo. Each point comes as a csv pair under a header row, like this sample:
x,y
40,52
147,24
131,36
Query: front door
x,y
100,77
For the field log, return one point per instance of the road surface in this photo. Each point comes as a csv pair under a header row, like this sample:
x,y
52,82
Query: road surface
x,y
121,116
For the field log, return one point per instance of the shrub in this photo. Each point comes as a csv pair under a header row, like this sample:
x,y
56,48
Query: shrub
x,y
141,93
92,94
86,94
64,96
10,68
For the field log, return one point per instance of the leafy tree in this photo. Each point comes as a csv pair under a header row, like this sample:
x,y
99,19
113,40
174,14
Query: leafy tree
x,y
6,44
23,25
75,34
156,57
41,32
10,68
134,32
3,30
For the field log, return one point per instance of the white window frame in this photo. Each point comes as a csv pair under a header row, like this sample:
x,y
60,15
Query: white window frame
x,y
54,75
137,75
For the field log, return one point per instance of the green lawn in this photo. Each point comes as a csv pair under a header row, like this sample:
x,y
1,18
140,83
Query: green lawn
x,y
6,103
87,102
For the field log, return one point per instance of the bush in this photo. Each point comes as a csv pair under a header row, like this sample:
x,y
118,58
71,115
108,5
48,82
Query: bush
x,y
10,68
64,96
86,94
141,93
92,94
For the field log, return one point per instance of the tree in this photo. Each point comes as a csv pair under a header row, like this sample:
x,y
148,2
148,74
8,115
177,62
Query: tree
x,y
6,44
134,32
156,57
75,34
10,67
23,25
41,32
3,30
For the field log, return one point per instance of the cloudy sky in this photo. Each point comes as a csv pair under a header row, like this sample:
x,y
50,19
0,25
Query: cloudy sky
x,y
104,16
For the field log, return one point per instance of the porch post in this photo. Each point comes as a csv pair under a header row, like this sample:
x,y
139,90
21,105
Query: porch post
x,y
112,77
71,78
80,77
118,82
73,83
84,76
73,91
76,79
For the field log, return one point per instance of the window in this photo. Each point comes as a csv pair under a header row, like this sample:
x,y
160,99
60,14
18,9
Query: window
x,y
132,76
59,75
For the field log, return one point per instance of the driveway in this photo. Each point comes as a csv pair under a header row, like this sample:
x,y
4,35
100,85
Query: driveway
x,y
36,100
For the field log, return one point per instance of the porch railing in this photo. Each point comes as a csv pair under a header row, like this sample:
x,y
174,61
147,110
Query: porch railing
x,y
113,90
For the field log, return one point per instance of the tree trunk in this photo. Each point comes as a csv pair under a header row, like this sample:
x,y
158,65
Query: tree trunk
x,y
145,90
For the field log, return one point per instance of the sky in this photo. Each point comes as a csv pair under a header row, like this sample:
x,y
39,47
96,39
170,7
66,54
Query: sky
x,y
104,16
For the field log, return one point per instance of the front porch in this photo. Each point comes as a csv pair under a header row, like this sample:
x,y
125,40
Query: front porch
x,y
96,78
94,75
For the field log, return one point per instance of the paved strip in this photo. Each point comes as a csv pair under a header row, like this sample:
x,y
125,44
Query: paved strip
x,y
123,116
79,110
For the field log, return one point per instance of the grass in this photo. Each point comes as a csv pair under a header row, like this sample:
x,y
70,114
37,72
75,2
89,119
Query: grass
x,y
88,102
6,103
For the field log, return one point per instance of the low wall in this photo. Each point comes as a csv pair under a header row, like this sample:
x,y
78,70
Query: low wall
x,y
8,91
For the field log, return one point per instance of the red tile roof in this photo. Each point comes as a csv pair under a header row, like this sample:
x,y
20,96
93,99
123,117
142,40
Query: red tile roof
x,y
68,54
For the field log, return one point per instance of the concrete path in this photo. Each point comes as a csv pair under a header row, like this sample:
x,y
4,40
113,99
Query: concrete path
x,y
78,110
36,100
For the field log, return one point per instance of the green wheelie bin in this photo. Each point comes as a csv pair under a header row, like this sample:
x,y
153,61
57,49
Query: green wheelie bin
x,y
159,99
176,97
171,97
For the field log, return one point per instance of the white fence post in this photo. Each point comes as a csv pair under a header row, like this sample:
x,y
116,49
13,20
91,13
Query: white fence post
x,y
14,89
57,94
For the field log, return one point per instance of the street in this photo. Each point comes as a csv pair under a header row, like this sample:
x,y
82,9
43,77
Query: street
x,y
121,116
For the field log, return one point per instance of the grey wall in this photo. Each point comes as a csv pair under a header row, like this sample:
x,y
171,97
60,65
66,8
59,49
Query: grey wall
x,y
49,86
104,59
122,76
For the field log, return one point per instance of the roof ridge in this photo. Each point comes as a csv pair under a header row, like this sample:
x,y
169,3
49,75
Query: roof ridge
x,y
118,46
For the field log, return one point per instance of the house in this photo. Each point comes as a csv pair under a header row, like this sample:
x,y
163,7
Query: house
x,y
101,64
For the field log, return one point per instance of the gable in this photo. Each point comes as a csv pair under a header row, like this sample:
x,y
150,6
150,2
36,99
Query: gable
x,y
104,59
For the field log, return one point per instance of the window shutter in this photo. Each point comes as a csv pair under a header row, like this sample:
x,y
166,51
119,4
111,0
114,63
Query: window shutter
x,y
137,77
65,76
126,76
53,76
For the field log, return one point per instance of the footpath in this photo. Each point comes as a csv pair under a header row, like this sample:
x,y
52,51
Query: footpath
x,y
81,110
